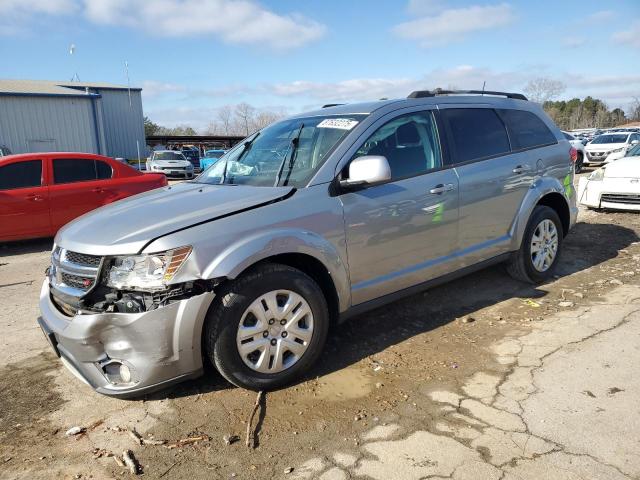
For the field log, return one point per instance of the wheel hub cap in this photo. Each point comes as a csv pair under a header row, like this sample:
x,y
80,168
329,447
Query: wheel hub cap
x,y
544,245
275,331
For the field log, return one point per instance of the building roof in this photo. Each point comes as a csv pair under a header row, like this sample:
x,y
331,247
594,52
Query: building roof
x,y
52,88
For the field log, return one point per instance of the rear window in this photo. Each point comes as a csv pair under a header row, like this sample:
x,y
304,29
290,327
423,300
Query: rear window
x,y
526,130
70,170
21,175
476,133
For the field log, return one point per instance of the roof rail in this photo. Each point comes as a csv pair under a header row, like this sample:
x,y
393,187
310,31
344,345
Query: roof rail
x,y
439,91
332,105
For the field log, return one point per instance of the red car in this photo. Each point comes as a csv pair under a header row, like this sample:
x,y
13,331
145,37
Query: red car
x,y
40,192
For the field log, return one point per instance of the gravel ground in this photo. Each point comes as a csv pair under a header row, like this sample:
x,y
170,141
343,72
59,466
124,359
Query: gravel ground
x,y
378,374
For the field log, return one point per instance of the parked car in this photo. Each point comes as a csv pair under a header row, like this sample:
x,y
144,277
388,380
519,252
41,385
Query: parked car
x,y
609,147
615,186
580,150
171,163
4,151
40,192
193,155
210,158
311,220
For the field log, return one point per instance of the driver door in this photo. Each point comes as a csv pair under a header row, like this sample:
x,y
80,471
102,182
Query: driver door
x,y
402,233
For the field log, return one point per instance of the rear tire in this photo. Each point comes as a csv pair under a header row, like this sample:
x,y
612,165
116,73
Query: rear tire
x,y
537,258
233,307
579,163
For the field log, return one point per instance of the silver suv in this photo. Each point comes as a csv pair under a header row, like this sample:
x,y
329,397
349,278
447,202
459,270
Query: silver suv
x,y
309,221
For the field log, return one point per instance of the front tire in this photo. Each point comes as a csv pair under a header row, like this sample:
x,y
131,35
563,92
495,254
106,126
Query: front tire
x,y
267,328
541,246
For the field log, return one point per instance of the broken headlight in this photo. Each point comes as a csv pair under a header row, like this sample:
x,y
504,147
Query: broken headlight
x,y
146,272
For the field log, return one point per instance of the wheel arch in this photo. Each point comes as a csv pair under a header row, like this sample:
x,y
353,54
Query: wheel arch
x,y
549,192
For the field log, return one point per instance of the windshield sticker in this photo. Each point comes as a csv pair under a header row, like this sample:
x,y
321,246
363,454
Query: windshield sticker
x,y
340,123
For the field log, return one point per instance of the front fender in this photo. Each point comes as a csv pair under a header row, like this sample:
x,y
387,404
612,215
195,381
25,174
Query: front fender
x,y
541,187
239,256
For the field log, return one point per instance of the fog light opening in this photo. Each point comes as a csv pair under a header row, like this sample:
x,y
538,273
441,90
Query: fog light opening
x,y
117,373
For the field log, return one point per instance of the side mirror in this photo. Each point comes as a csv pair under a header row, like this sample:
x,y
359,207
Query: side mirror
x,y
367,170
634,142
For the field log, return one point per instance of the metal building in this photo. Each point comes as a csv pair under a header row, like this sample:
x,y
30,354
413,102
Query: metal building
x,y
38,116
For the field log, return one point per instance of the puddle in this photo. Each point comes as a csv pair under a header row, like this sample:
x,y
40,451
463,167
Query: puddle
x,y
345,384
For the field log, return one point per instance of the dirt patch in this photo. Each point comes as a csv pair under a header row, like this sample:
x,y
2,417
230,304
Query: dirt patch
x,y
27,395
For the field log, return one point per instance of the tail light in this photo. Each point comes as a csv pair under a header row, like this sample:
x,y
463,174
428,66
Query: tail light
x,y
573,154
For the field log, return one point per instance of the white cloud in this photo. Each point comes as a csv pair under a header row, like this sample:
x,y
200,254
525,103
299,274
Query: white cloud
x,y
453,24
425,7
15,15
241,22
600,16
630,37
238,22
152,88
574,42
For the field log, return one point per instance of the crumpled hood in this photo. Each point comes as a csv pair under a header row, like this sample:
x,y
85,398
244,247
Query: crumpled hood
x,y
628,167
126,226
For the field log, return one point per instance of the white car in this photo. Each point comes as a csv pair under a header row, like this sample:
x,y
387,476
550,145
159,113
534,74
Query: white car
x,y
171,163
579,146
615,186
608,147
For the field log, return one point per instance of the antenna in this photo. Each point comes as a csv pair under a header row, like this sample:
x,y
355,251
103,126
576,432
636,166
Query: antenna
x,y
483,85
72,50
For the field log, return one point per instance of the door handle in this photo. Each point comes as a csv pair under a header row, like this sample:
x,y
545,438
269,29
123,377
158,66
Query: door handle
x,y
98,190
35,198
441,188
521,169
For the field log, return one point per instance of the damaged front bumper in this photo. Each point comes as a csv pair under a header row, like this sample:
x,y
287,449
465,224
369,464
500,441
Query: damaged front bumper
x,y
128,354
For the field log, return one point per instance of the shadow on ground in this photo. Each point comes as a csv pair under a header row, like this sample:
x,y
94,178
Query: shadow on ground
x,y
588,244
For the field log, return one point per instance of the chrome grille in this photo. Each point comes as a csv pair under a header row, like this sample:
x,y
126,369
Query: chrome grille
x,y
630,199
83,258
73,274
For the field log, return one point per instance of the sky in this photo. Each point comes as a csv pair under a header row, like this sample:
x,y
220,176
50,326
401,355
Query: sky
x,y
191,57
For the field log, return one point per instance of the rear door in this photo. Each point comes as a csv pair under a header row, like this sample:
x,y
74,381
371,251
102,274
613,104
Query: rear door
x,y
75,189
24,200
493,180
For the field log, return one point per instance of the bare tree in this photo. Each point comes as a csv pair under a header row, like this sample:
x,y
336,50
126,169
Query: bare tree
x,y
244,114
634,110
543,89
225,115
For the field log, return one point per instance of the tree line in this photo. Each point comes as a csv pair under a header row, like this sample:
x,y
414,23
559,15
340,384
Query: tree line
x,y
576,113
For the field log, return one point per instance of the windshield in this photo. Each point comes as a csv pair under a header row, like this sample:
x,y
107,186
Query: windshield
x,y
214,154
274,156
168,156
613,138
634,152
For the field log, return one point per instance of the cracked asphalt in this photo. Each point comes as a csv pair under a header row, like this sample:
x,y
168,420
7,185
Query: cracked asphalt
x,y
482,378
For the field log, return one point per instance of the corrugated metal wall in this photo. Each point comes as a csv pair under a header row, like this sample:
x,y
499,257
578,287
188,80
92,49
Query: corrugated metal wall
x,y
123,124
31,123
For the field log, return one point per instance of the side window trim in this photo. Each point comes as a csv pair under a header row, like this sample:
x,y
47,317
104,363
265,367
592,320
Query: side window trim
x,y
389,117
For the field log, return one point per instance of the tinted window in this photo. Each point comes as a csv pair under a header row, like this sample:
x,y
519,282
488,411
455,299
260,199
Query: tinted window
x,y
68,170
21,175
526,130
168,156
410,144
103,169
477,133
